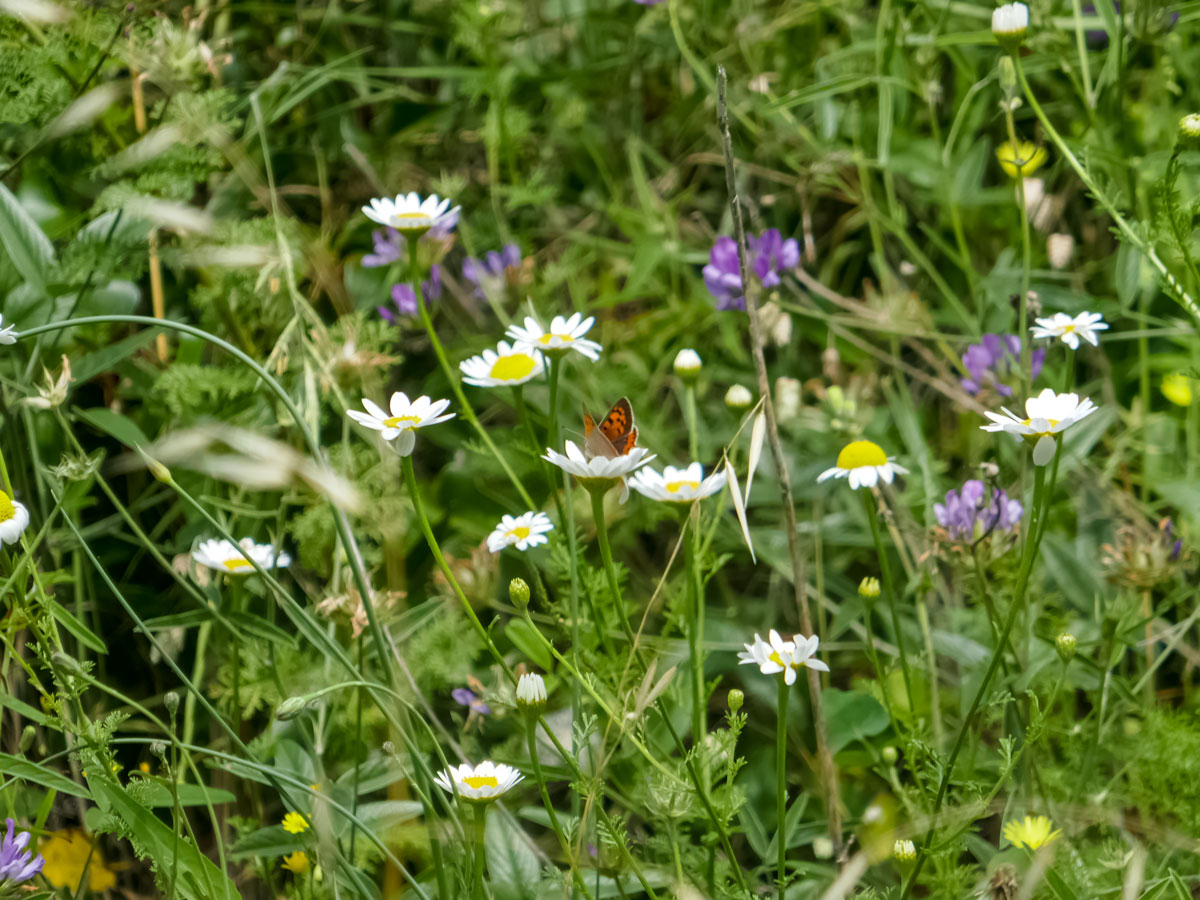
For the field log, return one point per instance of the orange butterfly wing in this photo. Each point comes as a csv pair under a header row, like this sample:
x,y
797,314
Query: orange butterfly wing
x,y
616,435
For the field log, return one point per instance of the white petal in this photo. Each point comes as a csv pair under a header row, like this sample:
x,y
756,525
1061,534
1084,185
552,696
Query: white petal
x,y
1043,451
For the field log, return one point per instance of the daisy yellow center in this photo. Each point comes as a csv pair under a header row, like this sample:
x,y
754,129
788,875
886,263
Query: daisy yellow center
x,y
7,510
1067,329
674,487
512,368
239,563
399,421
521,532
411,215
475,782
860,455
776,658
551,338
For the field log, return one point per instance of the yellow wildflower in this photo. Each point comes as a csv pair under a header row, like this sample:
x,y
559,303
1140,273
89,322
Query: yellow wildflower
x,y
297,863
1177,388
295,823
1033,832
1022,160
66,853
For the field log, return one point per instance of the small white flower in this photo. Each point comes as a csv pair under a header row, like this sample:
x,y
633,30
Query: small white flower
x,y
486,781
406,416
688,363
677,485
1071,328
1047,414
562,336
234,559
409,213
738,397
8,334
505,366
14,518
863,463
599,471
777,655
524,531
904,851
1010,20
531,690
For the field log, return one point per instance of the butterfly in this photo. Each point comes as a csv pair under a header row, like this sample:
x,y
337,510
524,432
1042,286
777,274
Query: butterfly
x,y
614,436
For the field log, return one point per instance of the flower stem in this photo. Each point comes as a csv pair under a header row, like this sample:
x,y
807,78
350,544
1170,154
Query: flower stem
x,y
781,787
609,569
1026,251
480,892
689,408
452,377
889,588
696,629
564,842
1029,551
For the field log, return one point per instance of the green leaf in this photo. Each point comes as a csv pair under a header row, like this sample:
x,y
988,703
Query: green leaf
x,y
524,639
114,424
270,841
852,716
22,708
81,632
511,863
88,367
159,795
26,244
197,877
36,773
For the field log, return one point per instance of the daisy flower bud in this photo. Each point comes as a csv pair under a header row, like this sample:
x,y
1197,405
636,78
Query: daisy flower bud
x,y
904,851
738,397
1009,24
868,587
518,593
1189,130
531,692
736,699
688,365
1065,644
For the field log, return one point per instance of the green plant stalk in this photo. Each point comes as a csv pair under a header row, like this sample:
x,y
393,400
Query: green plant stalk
x,y
781,716
452,377
610,570
1026,253
1136,239
889,588
696,628
1029,551
693,425
563,841
935,703
345,536
477,886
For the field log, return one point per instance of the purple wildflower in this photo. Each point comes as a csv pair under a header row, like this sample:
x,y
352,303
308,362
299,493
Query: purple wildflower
x,y
993,358
966,515
468,698
406,300
389,248
16,863
493,273
768,254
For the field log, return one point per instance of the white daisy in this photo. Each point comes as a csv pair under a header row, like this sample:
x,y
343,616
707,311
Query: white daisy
x,y
599,472
8,334
531,690
687,364
1047,414
483,782
863,463
506,366
406,417
1071,328
234,559
14,518
677,485
409,213
1010,20
524,531
562,336
772,656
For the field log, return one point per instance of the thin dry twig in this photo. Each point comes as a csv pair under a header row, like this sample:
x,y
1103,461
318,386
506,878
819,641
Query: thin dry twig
x,y
829,773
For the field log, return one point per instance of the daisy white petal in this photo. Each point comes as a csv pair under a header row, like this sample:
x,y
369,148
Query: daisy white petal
x,y
506,366
238,559
862,464
563,336
406,417
677,485
523,531
482,783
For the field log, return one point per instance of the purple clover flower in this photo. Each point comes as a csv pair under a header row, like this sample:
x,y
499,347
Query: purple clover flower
x,y
16,863
966,515
468,698
406,300
492,274
993,358
769,255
